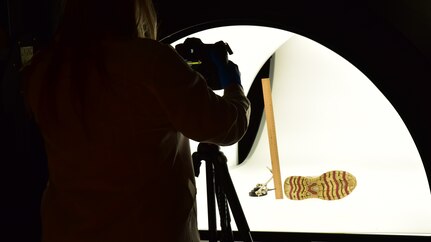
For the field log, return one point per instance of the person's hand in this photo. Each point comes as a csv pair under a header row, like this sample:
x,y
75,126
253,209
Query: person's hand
x,y
227,71
229,74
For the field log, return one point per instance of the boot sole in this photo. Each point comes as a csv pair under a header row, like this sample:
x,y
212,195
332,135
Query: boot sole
x,y
331,185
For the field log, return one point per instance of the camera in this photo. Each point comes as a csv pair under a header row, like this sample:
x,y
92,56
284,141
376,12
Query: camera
x,y
204,58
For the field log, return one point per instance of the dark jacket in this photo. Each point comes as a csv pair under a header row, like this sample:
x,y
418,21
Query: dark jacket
x,y
124,172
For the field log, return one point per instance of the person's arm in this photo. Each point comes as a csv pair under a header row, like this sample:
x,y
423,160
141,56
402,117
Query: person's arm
x,y
193,108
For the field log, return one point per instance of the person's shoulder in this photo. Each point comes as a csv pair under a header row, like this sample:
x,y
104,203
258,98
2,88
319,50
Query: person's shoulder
x,y
139,47
145,42
150,44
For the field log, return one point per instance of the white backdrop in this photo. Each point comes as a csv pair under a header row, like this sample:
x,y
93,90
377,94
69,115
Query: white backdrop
x,y
328,116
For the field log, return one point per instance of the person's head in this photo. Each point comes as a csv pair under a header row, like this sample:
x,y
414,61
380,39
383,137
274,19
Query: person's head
x,y
95,19
82,25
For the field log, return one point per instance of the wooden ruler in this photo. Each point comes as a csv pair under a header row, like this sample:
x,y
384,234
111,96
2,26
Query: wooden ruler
x,y
270,123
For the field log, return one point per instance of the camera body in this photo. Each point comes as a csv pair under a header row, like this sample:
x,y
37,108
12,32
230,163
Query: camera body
x,y
204,58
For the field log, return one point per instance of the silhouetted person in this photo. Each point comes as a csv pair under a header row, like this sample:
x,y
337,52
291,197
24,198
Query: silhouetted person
x,y
116,109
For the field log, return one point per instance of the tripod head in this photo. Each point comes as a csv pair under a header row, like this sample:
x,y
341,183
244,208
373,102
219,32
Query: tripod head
x,y
208,149
207,152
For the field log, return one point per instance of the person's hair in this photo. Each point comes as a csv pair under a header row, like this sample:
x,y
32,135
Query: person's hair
x,y
95,19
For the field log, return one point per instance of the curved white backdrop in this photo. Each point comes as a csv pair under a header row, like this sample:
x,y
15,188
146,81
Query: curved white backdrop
x,y
328,116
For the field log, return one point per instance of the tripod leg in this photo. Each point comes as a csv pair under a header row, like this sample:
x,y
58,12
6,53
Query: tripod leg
x,y
212,225
227,234
234,202
218,178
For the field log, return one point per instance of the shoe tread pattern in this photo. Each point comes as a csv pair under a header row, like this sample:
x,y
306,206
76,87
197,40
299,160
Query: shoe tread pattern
x,y
331,185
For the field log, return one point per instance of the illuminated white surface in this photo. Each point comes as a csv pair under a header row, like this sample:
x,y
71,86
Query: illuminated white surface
x,y
252,46
328,116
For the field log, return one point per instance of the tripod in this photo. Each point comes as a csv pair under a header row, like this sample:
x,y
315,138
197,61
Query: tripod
x,y
220,186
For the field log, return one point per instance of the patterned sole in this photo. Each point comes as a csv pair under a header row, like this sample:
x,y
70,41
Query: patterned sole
x,y
331,185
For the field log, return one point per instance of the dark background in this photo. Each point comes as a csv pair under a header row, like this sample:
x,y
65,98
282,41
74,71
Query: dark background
x,y
388,40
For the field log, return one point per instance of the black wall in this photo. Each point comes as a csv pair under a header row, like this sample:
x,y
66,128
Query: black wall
x,y
23,171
